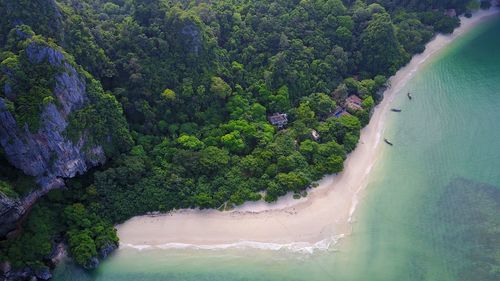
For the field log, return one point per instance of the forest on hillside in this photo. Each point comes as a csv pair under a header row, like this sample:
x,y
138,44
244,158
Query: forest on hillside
x,y
197,83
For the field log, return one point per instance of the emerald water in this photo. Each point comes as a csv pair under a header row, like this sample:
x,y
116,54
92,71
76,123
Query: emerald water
x,y
430,212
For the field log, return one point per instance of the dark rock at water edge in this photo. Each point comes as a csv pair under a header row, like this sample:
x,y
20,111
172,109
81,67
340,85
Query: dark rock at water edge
x,y
105,251
43,273
25,273
92,263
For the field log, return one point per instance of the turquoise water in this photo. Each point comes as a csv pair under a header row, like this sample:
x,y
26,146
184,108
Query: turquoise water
x,y
430,212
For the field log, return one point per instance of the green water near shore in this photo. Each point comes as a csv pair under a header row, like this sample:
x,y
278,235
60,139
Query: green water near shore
x,y
430,212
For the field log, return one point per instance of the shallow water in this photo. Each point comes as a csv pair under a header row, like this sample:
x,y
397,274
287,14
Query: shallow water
x,y
430,212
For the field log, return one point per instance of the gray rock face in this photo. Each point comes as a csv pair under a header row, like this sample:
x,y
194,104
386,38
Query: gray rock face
x,y
47,154
193,37
11,210
59,253
92,263
37,53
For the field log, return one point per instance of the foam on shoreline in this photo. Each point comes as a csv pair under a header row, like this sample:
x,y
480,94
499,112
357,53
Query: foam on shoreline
x,y
314,223
296,247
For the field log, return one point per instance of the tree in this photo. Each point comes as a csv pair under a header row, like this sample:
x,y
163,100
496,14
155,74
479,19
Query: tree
x,y
367,87
368,103
331,165
350,122
204,200
252,166
292,162
82,248
237,106
190,142
309,148
292,181
280,101
380,48
350,141
76,216
233,142
220,88
213,159
168,95
258,112
321,104
343,35
305,114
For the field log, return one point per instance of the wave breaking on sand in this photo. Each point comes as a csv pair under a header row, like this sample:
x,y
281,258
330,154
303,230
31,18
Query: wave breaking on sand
x,y
297,247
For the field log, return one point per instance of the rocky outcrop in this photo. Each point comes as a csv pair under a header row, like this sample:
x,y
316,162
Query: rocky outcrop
x,y
47,154
7,273
106,250
92,263
11,211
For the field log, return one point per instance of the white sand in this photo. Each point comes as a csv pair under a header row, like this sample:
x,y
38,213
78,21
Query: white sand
x,y
311,223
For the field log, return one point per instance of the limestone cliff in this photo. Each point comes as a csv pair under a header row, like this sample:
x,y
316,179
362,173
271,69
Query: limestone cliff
x,y
50,126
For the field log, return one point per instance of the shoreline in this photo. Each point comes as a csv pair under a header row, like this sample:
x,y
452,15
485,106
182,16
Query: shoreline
x,y
315,222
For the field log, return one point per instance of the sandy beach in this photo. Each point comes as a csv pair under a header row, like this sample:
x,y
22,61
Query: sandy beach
x,y
314,222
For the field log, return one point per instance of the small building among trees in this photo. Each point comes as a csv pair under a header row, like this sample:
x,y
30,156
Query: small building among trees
x,y
278,119
339,111
353,102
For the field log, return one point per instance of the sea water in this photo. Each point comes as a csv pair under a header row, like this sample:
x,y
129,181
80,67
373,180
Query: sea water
x,y
430,212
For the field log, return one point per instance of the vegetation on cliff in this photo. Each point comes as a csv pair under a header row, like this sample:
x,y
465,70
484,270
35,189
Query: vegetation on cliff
x,y
37,76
